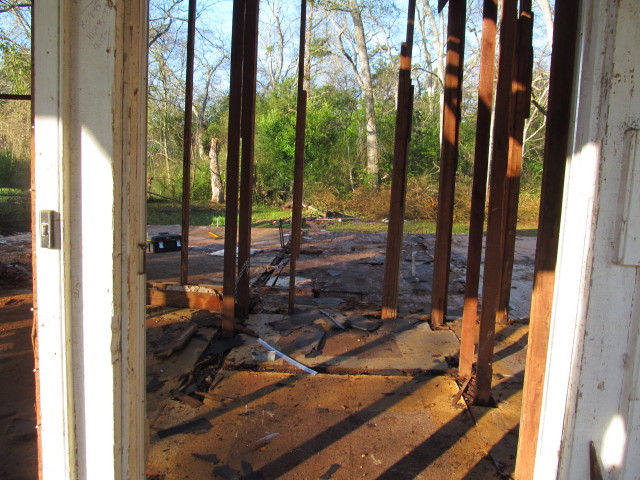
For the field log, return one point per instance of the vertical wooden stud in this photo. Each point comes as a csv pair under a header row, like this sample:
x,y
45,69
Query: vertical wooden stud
x,y
233,168
186,159
448,157
521,93
494,254
298,173
563,62
247,132
399,175
479,197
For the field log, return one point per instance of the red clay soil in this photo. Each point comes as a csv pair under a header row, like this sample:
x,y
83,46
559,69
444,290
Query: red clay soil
x,y
17,411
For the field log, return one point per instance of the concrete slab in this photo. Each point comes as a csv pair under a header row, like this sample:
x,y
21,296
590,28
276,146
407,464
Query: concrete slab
x,y
360,259
398,347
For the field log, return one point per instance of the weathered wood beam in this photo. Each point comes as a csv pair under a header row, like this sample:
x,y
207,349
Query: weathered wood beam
x,y
399,175
205,297
248,127
298,169
448,157
561,98
233,168
521,93
479,191
187,137
494,254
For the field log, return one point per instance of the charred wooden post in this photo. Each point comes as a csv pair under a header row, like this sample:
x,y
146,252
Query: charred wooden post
x,y
494,255
521,93
479,192
247,132
399,175
233,168
298,172
187,137
448,157
563,61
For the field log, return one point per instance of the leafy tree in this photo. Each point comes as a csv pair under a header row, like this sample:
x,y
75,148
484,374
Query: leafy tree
x,y
15,78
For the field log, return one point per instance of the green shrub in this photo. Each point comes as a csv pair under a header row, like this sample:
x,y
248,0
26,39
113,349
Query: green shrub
x,y
15,211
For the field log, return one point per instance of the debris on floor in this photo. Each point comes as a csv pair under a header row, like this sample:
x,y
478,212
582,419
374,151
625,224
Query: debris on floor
x,y
385,403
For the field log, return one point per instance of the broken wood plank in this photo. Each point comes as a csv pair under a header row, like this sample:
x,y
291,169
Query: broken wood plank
x,y
463,388
264,277
313,226
178,343
186,399
333,319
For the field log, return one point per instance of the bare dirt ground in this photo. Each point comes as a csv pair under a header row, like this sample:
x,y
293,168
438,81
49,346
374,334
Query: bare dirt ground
x,y
17,411
261,419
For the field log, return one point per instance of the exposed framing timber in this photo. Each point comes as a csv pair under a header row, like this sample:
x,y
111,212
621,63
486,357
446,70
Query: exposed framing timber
x,y
165,294
399,174
521,94
494,254
248,126
561,98
448,157
186,144
479,192
233,169
298,169
34,240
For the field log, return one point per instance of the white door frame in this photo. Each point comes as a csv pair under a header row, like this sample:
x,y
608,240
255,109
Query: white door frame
x,y
90,147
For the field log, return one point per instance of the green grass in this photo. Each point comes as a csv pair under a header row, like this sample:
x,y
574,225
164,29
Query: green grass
x,y
15,210
168,213
264,216
410,226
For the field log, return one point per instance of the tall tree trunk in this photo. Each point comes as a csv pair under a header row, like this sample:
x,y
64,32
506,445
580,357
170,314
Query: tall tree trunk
x,y
217,191
547,13
367,87
433,28
307,59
